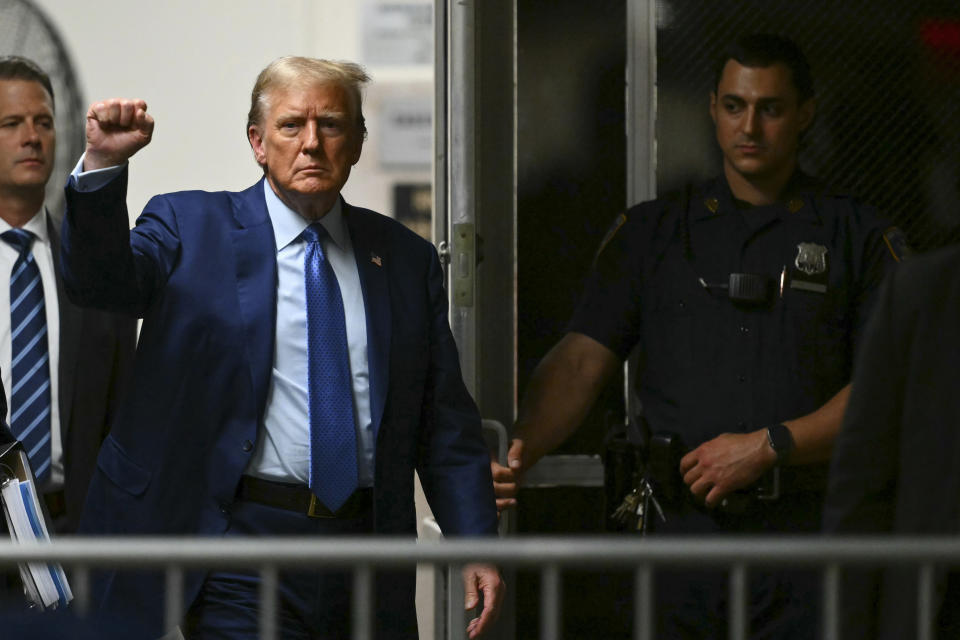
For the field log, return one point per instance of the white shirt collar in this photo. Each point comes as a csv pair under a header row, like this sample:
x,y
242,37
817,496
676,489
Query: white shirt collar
x,y
37,225
288,224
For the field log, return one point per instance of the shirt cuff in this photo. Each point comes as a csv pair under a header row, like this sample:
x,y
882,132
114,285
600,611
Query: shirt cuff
x,y
84,181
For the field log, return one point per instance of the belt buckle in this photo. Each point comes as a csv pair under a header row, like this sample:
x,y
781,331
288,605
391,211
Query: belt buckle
x,y
317,509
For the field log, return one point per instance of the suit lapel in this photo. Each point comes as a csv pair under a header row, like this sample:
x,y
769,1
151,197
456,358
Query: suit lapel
x,y
255,253
69,347
372,265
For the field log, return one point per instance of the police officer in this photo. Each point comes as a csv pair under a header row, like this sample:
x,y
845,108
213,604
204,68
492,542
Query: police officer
x,y
746,296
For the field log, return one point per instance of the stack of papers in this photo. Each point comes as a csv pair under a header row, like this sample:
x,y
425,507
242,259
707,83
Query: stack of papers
x,y
45,584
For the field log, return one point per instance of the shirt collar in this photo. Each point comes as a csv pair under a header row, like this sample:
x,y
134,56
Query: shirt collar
x,y
37,225
795,202
288,224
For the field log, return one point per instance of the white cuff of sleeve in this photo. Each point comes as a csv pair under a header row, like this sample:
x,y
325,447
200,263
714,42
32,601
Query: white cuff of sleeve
x,y
95,179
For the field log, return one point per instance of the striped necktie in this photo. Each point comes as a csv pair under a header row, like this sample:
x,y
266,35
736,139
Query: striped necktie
x,y
30,360
333,440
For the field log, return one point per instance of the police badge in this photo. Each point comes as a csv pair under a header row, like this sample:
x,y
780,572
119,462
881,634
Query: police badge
x,y
811,258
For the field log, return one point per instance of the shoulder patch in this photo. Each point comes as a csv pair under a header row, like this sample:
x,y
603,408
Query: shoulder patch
x,y
896,242
612,231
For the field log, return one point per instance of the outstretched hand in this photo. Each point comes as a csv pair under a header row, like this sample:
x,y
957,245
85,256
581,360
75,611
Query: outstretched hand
x,y
116,129
506,480
485,579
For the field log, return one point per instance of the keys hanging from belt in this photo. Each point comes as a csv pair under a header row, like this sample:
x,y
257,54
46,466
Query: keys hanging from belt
x,y
634,510
626,512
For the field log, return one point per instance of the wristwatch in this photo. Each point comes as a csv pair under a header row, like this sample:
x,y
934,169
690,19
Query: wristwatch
x,y
781,441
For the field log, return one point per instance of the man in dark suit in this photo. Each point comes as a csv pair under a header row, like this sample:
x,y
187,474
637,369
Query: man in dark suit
x,y
295,365
69,364
894,466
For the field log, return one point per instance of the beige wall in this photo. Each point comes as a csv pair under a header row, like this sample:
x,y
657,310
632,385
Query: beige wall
x,y
194,62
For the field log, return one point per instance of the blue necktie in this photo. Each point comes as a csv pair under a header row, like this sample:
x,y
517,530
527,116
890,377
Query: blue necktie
x,y
30,360
333,442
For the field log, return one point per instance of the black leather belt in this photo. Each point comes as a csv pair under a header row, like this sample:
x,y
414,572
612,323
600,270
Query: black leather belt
x,y
297,497
56,503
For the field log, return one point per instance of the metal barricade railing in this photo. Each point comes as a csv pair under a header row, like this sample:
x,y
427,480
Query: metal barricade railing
x,y
548,555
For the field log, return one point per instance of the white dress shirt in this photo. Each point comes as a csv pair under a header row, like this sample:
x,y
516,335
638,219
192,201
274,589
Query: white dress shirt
x,y
43,255
283,443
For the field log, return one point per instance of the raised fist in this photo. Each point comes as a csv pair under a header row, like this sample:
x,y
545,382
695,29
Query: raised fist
x,y
116,129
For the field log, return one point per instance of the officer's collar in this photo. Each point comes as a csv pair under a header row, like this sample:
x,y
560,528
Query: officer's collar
x,y
796,202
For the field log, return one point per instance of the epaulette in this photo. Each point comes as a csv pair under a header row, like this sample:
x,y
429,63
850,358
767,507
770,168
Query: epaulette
x,y
896,241
618,222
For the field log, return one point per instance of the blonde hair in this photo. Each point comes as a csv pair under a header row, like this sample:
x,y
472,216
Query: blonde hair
x,y
297,70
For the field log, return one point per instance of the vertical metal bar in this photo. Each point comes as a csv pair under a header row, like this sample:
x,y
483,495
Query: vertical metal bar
x,y
831,602
173,611
268,602
80,585
441,228
738,602
456,616
550,602
441,591
641,117
462,182
925,602
643,603
641,100
362,603
440,130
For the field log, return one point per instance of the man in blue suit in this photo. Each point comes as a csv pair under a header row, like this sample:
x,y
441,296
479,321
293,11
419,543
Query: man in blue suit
x,y
295,365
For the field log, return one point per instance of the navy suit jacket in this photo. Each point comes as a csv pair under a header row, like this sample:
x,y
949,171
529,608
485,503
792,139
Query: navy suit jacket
x,y
96,357
200,269
894,468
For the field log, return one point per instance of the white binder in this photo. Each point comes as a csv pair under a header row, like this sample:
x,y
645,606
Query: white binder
x,y
45,584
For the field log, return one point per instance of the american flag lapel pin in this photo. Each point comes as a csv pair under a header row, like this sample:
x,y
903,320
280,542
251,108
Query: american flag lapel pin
x,y
375,259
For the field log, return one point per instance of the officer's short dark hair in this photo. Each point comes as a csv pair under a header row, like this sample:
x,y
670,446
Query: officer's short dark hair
x,y
764,50
20,68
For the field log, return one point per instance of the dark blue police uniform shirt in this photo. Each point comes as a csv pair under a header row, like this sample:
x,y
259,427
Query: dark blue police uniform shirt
x,y
709,365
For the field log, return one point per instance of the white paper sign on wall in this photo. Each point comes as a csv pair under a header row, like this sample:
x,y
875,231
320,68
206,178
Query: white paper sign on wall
x,y
397,32
406,137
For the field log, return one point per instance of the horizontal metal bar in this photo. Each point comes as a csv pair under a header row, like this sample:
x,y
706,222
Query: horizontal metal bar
x,y
573,551
565,471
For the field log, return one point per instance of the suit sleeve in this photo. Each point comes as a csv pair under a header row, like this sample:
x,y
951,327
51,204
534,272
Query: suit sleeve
x,y
454,465
125,332
106,265
863,474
